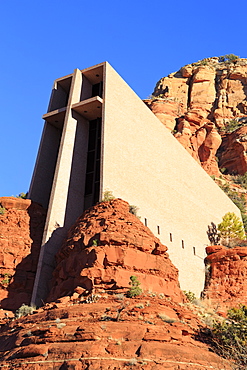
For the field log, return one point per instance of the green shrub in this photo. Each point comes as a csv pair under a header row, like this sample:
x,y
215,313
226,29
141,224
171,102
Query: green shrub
x,y
190,295
228,58
231,125
223,170
231,57
238,314
22,196
24,310
135,290
6,280
108,196
230,336
240,179
204,62
2,210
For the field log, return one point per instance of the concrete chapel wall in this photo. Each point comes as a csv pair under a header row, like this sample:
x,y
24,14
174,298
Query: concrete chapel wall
x,y
144,164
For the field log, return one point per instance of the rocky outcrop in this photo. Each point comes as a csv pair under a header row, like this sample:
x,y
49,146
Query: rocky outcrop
x,y
226,276
232,155
21,228
146,333
198,101
106,246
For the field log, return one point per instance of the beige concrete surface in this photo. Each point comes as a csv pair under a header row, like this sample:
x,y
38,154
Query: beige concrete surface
x,y
55,231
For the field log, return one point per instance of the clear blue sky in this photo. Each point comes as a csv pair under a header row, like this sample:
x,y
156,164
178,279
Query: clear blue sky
x,y
142,40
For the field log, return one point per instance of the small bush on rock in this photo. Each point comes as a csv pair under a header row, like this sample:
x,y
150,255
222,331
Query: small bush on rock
x,y
228,57
190,295
107,196
135,290
22,196
231,57
24,310
240,179
2,210
7,277
231,125
230,336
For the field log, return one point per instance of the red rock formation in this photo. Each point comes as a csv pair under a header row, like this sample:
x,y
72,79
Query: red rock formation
x,y
233,153
197,101
21,228
106,246
146,333
226,281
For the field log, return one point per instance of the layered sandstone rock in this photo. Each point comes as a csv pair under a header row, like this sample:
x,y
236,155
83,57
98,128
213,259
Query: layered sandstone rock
x,y
106,246
21,228
198,101
226,278
146,333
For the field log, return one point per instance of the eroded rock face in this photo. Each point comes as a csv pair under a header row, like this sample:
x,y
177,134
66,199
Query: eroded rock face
x,y
226,279
106,246
233,157
146,333
21,228
198,101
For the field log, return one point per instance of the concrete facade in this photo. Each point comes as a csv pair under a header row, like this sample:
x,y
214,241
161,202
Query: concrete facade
x,y
100,136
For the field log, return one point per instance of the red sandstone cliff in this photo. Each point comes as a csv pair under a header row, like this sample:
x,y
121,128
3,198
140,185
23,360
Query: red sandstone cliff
x,y
197,102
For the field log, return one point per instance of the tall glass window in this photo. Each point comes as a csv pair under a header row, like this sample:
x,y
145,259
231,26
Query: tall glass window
x,y
92,186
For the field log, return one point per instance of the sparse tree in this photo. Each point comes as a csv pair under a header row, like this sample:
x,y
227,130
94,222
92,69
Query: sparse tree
x,y
135,290
231,228
231,57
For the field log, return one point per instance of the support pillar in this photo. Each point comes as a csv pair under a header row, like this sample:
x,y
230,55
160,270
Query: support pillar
x,y
55,229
